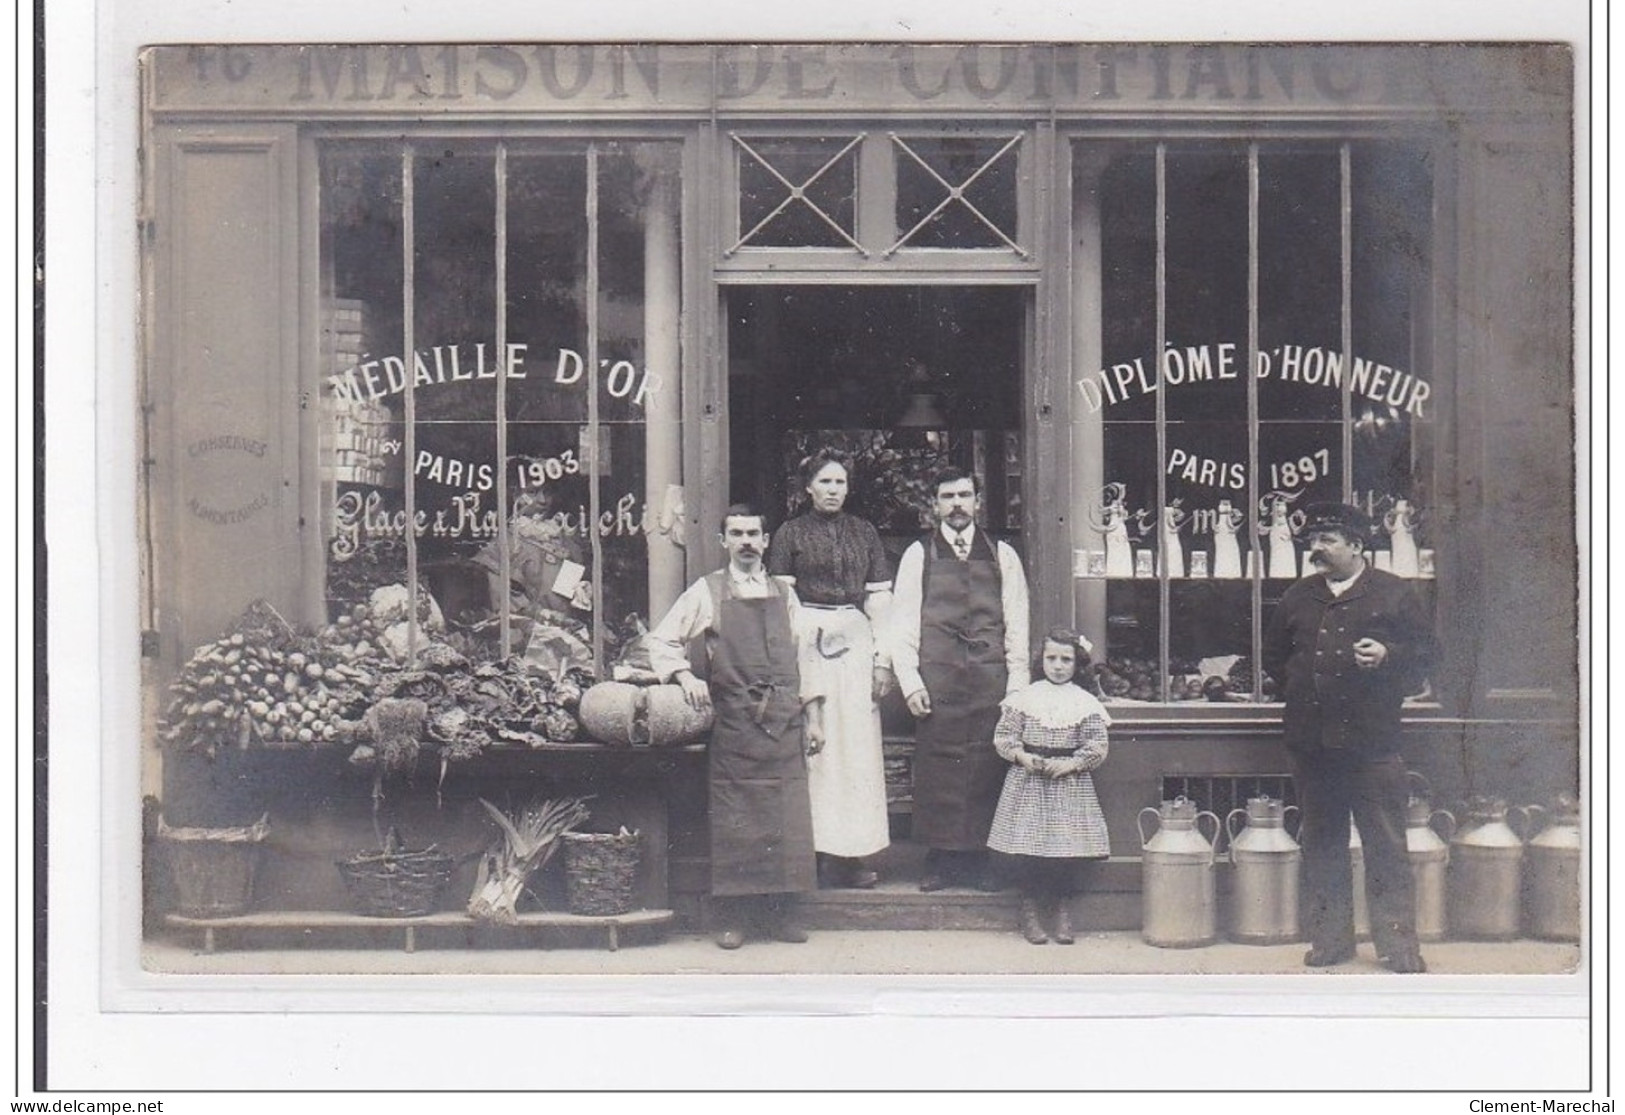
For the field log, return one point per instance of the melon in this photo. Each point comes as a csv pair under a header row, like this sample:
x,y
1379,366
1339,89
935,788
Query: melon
x,y
619,713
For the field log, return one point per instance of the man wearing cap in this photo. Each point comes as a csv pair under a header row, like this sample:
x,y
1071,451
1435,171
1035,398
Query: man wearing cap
x,y
1346,645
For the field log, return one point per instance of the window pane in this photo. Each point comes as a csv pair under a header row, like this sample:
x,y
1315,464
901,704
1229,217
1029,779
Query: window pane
x,y
1125,519
766,165
454,264
547,275
636,454
360,429
1393,398
1207,294
1300,289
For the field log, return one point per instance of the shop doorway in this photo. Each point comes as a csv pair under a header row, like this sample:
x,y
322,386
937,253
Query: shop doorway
x,y
906,380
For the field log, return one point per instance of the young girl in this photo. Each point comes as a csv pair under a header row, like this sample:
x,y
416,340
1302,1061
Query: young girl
x,y
1052,733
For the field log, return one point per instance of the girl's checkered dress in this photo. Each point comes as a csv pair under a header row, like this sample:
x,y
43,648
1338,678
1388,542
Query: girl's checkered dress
x,y
1051,817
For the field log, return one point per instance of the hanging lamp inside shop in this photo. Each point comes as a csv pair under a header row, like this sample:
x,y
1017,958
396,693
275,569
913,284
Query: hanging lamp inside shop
x,y
924,407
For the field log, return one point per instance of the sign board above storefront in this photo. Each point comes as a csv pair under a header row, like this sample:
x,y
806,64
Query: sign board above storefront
x,y
646,80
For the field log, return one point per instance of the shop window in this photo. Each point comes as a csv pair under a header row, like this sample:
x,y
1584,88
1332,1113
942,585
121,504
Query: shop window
x,y
1264,337
498,403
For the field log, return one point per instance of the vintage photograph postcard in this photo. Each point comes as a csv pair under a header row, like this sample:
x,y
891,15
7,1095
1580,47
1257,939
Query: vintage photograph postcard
x,y
845,516
1028,492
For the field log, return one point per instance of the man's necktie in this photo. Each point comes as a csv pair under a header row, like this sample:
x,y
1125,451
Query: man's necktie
x,y
962,547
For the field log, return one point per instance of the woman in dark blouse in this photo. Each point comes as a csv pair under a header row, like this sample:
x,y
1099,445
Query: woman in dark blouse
x,y
843,578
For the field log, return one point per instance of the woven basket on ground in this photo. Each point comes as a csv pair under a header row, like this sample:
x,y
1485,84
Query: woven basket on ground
x,y
599,869
397,884
213,869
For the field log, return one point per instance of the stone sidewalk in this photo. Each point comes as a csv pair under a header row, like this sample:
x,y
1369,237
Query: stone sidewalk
x,y
971,952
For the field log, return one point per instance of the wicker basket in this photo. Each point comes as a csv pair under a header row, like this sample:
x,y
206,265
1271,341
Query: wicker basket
x,y
397,884
599,869
213,869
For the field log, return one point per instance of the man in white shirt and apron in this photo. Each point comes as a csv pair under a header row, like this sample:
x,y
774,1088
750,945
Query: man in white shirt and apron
x,y
743,626
959,646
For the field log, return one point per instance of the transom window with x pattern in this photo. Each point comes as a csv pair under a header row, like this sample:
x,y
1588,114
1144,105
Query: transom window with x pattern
x,y
798,193
957,192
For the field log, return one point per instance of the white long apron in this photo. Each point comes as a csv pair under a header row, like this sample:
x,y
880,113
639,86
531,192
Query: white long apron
x,y
847,779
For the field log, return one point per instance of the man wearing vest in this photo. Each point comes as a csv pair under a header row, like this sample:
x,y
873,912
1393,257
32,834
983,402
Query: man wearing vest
x,y
743,625
958,644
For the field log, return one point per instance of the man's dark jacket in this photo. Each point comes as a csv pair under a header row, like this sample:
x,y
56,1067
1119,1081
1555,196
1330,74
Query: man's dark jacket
x,y
1331,703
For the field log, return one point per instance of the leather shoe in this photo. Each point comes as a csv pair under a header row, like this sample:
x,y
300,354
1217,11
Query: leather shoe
x,y
1031,927
1318,957
1405,961
1063,923
933,882
864,879
730,938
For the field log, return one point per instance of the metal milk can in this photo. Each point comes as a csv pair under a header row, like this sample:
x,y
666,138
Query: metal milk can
x,y
1362,911
1176,867
1265,861
1485,873
1552,872
1429,855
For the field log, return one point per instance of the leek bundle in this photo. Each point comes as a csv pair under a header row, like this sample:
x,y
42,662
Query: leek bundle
x,y
528,842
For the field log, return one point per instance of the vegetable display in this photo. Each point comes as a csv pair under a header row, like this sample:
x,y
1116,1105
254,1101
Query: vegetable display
x,y
262,683
359,682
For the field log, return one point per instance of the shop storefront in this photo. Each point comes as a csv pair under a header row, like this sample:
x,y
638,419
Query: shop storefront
x,y
517,323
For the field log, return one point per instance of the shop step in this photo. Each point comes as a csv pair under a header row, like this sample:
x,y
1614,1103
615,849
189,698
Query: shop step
x,y
1110,900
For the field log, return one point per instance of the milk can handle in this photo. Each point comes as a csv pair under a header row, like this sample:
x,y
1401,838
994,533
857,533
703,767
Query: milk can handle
x,y
1214,839
1139,823
1450,819
1416,777
1287,813
1229,829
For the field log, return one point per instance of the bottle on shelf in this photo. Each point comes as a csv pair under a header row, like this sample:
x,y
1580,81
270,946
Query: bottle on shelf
x,y
1400,522
1173,551
1226,554
1278,525
1110,519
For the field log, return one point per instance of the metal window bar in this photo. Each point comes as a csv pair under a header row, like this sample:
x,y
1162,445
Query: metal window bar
x,y
410,412
1161,403
594,495
1222,793
504,549
1254,538
797,193
1345,171
957,193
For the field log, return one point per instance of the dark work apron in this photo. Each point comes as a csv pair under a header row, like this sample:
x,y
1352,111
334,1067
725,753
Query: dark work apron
x,y
957,773
761,816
